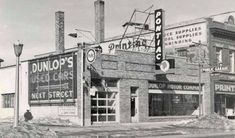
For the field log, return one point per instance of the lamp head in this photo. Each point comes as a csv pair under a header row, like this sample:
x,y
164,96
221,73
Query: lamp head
x,y
18,48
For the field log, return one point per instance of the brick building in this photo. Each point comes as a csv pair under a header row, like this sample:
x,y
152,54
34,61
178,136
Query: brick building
x,y
122,85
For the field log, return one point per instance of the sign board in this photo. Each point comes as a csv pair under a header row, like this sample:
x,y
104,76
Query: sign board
x,y
165,66
174,86
127,44
224,87
91,56
159,33
216,69
67,111
53,79
185,35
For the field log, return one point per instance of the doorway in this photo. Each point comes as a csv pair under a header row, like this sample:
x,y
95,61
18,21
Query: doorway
x,y
134,104
230,106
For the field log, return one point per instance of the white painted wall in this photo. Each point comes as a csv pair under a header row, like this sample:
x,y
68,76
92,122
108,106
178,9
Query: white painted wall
x,y
7,85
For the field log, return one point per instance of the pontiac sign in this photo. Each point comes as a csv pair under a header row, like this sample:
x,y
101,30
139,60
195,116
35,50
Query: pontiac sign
x,y
159,31
52,79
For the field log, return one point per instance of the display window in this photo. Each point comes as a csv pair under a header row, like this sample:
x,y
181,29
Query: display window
x,y
173,104
225,105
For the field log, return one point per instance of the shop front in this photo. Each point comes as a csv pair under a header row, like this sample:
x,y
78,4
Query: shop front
x,y
225,99
173,99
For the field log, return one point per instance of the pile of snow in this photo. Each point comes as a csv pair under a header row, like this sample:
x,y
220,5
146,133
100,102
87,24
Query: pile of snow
x,y
52,121
27,130
212,121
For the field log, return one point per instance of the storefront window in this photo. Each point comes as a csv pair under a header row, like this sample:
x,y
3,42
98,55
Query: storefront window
x,y
225,104
172,104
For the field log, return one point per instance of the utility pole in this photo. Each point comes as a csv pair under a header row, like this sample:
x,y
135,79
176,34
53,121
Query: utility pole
x,y
81,50
200,88
200,65
80,73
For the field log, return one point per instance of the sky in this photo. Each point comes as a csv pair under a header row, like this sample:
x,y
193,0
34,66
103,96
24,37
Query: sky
x,y
32,22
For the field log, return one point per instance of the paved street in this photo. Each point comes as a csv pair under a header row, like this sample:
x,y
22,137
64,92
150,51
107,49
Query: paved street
x,y
131,130
159,129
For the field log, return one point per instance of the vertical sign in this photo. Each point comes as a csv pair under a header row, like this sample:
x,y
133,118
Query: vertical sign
x,y
159,32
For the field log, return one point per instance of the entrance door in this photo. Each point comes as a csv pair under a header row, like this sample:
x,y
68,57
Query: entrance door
x,y
229,110
134,105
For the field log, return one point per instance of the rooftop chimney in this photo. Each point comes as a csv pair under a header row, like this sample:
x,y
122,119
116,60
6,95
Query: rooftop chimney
x,y
99,20
59,32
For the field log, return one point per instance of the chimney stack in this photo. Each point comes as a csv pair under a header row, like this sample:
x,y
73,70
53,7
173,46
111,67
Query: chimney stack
x,y
59,32
99,20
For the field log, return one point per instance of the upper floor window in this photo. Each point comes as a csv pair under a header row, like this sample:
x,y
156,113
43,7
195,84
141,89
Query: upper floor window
x,y
182,52
8,100
218,55
231,61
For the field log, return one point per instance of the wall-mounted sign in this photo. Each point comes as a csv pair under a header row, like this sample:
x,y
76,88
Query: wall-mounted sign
x,y
91,56
185,35
216,69
52,79
128,44
224,87
159,32
165,66
173,86
67,111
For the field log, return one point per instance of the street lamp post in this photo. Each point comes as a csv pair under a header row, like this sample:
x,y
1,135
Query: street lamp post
x,y
18,50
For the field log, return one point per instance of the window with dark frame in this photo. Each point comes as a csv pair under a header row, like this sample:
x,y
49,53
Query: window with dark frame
x,y
218,55
232,60
182,52
8,100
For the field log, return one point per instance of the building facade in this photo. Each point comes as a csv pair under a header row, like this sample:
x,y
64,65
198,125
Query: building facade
x,y
122,84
